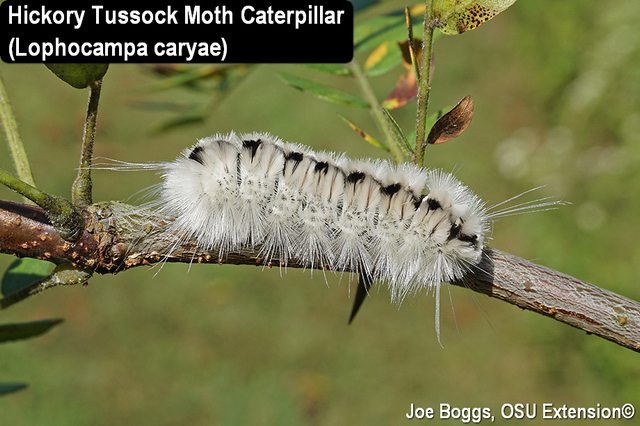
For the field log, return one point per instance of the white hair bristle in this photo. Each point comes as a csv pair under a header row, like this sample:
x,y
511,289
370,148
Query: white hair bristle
x,y
407,226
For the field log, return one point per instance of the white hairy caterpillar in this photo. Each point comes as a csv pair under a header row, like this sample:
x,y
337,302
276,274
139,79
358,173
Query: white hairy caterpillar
x,y
410,227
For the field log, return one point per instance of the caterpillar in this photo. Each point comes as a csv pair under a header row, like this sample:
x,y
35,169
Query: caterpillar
x,y
410,227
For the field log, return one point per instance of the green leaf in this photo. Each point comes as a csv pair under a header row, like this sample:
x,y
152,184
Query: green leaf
x,y
397,133
24,272
335,69
6,388
178,75
393,33
359,5
321,91
458,16
25,330
78,75
387,28
183,120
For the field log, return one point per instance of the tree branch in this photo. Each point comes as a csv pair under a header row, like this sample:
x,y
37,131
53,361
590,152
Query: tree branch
x,y
562,297
117,236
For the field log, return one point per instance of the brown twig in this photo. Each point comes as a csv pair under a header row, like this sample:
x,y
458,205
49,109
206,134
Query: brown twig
x,y
562,297
112,243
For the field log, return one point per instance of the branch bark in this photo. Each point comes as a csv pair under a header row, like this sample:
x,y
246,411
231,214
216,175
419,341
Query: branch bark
x,y
116,238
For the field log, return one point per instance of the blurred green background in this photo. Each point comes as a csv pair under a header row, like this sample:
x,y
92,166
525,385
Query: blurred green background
x,y
556,87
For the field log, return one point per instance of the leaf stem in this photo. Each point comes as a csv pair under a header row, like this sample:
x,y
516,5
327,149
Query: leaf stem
x,y
66,219
376,111
82,186
25,189
14,140
424,87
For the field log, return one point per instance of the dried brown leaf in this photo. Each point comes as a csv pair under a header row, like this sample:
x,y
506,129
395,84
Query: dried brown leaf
x,y
453,123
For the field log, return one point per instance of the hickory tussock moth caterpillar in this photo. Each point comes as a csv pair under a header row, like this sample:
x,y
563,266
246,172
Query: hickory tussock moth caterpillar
x,y
410,227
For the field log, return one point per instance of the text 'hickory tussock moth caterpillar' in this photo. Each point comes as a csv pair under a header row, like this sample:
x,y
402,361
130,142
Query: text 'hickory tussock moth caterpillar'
x,y
407,226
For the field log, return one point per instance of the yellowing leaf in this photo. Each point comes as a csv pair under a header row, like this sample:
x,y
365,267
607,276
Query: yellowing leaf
x,y
366,136
382,59
458,16
418,9
377,54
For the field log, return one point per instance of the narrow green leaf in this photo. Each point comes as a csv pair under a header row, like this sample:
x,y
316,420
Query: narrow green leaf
x,y
393,33
25,330
321,91
10,125
373,26
366,136
183,120
22,273
335,69
397,133
63,274
6,388
359,5
179,76
387,28
78,75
